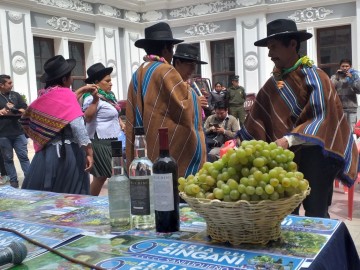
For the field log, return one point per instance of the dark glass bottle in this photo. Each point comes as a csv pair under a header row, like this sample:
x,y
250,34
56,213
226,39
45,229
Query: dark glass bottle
x,y
166,193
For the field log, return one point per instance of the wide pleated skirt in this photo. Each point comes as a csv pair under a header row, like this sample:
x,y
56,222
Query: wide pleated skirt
x,y
64,174
102,157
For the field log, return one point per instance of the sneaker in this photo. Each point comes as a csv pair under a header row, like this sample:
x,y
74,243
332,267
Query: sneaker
x,y
14,184
4,179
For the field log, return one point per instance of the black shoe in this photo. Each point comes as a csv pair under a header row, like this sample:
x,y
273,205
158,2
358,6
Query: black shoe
x,y
14,184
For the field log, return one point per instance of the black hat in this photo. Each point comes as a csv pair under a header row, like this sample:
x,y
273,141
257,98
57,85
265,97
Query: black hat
x,y
188,52
157,32
235,78
281,28
56,67
97,72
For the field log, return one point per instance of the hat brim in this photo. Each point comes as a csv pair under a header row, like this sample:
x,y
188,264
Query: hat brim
x,y
99,74
191,59
45,78
302,36
143,43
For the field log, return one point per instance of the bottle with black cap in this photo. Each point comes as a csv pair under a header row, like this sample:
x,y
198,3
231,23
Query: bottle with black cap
x,y
141,186
119,191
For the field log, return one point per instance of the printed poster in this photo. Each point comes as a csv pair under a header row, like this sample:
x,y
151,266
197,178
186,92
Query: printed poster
x,y
134,252
49,235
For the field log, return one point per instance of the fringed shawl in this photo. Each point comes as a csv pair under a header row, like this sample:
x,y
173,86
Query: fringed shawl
x,y
305,106
49,114
158,97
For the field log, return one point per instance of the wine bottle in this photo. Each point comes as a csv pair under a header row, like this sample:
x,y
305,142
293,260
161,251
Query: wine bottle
x,y
141,186
166,195
118,192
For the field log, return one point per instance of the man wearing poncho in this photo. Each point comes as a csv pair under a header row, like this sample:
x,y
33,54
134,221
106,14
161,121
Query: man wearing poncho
x,y
298,108
158,97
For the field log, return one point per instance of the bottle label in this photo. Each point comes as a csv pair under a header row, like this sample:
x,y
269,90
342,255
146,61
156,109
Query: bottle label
x,y
163,192
140,195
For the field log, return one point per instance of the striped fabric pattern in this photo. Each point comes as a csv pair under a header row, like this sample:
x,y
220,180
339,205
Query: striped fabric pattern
x,y
49,114
307,107
158,97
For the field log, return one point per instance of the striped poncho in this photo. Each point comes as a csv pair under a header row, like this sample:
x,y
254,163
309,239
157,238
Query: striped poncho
x,y
306,106
158,97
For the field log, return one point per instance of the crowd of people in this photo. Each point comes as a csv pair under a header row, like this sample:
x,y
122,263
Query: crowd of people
x,y
72,130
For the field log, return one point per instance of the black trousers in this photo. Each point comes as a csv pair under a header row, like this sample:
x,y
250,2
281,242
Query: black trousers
x,y
320,171
2,166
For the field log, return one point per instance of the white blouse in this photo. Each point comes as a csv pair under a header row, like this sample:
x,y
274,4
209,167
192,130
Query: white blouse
x,y
106,121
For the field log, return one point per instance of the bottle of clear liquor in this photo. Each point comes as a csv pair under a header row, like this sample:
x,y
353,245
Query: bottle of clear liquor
x,y
141,187
118,192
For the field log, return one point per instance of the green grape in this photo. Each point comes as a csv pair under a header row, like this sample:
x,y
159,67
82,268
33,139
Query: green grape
x,y
274,173
207,165
299,175
181,188
188,190
294,182
264,196
195,188
242,188
225,176
218,164
253,169
274,182
292,166
285,182
210,181
214,173
244,181
202,178
243,161
231,171
200,195
240,153
279,189
210,196
250,190
234,195
205,187
181,180
233,160
290,191
274,196
219,183
259,190
244,197
252,182
245,171
262,184
219,177
265,153
258,175
226,189
259,162
232,184
264,169
303,184
227,198
218,193
255,198
269,189
265,177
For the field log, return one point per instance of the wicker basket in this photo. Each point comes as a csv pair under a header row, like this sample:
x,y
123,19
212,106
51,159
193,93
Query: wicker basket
x,y
242,221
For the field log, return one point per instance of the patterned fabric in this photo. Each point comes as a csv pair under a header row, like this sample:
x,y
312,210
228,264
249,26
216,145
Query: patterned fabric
x,y
306,106
158,97
49,114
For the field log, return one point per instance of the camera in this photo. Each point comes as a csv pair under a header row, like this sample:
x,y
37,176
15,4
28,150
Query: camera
x,y
341,72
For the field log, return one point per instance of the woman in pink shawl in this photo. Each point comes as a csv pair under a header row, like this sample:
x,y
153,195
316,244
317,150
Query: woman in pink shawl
x,y
54,121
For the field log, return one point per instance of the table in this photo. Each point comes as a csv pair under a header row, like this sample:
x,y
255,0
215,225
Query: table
x,y
54,218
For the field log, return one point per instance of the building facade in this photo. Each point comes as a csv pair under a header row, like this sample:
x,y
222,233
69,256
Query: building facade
x,y
31,31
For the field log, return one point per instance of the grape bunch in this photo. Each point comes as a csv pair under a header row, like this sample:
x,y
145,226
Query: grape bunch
x,y
254,171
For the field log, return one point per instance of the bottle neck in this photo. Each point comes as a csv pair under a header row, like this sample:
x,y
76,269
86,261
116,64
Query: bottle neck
x,y
117,166
140,146
163,142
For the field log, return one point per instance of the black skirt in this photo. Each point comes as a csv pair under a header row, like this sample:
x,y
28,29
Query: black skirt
x,y
64,174
102,157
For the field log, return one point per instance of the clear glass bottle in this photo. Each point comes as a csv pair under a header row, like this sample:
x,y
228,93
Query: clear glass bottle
x,y
166,194
118,192
141,187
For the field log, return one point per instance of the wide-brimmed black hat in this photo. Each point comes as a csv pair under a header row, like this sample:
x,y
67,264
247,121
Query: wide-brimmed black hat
x,y
157,32
56,67
281,28
97,72
188,52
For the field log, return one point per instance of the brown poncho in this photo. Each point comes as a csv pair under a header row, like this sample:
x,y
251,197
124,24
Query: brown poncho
x,y
306,106
158,97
